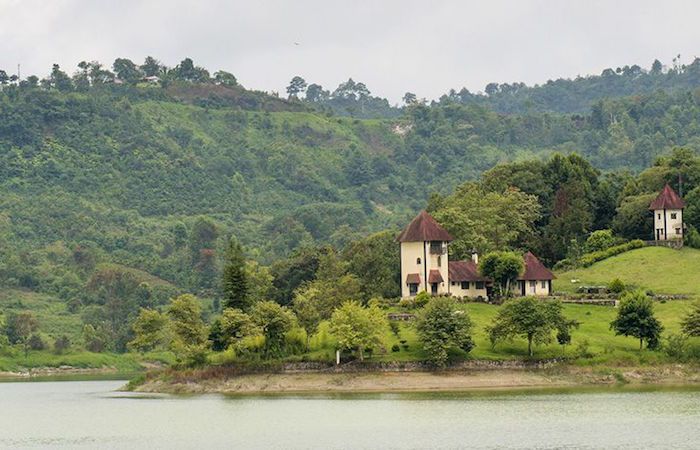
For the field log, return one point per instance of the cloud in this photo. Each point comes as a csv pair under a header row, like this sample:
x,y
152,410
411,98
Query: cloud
x,y
394,46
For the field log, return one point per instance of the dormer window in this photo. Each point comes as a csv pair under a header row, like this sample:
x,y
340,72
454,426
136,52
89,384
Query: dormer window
x,y
418,261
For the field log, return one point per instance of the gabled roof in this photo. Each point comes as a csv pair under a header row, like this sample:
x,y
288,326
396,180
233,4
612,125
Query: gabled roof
x,y
465,271
534,269
667,199
413,278
435,276
424,228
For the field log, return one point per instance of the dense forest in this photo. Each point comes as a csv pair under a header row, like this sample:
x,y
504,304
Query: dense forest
x,y
122,188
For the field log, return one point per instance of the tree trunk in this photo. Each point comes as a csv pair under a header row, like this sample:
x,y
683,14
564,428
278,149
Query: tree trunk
x,y
529,345
641,341
362,355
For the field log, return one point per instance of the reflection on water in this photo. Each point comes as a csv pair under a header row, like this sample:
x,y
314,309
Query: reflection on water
x,y
90,414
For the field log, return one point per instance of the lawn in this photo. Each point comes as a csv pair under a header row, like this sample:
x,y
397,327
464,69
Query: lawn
x,y
594,329
659,269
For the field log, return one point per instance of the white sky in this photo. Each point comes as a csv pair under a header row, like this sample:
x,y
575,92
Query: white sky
x,y
426,47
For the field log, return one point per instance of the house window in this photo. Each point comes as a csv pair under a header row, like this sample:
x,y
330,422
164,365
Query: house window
x,y
412,289
436,247
434,288
673,215
658,216
465,285
479,285
418,261
454,283
678,231
439,261
544,284
533,286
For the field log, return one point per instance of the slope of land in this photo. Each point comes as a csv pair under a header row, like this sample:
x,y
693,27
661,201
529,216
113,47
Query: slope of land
x,y
658,269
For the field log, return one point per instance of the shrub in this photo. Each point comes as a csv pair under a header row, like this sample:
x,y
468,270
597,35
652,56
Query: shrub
x,y
421,299
61,344
583,349
600,240
395,348
591,258
35,342
617,286
676,346
394,328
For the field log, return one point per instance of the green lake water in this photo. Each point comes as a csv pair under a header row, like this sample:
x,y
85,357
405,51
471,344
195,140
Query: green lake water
x,y
91,414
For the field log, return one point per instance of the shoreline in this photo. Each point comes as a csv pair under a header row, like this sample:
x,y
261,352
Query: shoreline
x,y
418,381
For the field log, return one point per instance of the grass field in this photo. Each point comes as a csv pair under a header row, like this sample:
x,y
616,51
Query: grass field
x,y
661,270
603,345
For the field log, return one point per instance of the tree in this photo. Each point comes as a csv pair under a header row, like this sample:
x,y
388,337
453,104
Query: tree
x,y
315,93
296,86
59,79
375,261
231,329
633,220
151,67
307,307
635,317
441,326
357,328
235,278
61,344
274,321
530,318
691,322
503,268
600,240
188,331
225,78
409,98
126,70
186,71
150,331
19,327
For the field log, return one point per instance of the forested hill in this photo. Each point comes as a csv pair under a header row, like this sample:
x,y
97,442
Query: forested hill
x,y
128,168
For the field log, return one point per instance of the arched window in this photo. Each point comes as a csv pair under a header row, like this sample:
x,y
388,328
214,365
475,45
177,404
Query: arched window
x,y
439,261
418,261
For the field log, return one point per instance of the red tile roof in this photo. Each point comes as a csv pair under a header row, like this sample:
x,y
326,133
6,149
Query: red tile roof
x,y
465,271
535,270
667,199
412,278
435,277
424,228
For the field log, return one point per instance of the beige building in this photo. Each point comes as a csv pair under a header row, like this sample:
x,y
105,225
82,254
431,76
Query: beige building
x,y
425,266
424,261
668,215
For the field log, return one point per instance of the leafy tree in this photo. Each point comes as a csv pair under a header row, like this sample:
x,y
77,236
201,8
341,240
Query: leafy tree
x,y
635,317
187,71
150,331
19,327
235,279
691,322
633,220
503,268
225,78
296,86
95,338
375,261
231,329
151,67
441,326
409,98
315,93
59,80
600,240
274,321
530,318
35,342
308,306
126,70
61,344
189,334
357,328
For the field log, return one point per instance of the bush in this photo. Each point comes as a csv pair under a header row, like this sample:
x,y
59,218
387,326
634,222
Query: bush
x,y
600,240
394,327
591,258
616,286
421,299
35,342
583,349
61,344
676,346
395,348
692,237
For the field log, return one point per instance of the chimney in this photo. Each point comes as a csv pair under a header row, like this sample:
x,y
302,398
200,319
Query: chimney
x,y
475,257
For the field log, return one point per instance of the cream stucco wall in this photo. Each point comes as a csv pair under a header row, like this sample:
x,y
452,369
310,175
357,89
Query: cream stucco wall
x,y
472,292
539,289
668,227
410,253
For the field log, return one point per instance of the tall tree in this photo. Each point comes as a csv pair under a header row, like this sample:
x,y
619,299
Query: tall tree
x,y
503,268
234,277
296,87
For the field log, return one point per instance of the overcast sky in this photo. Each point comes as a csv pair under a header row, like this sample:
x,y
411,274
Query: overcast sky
x,y
426,47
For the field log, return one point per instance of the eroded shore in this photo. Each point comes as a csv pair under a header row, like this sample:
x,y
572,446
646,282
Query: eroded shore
x,y
199,382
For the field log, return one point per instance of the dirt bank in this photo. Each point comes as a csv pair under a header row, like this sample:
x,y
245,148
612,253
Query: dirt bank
x,y
414,381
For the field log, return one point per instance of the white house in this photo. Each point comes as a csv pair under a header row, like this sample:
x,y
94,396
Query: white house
x,y
668,215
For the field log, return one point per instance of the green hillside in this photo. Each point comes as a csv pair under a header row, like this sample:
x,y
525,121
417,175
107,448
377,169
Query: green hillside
x,y
661,270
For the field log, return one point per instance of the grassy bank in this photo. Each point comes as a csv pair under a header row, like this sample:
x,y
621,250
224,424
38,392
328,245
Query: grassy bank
x,y
44,361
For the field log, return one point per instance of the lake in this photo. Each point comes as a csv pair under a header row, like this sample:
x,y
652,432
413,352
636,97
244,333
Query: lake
x,y
91,414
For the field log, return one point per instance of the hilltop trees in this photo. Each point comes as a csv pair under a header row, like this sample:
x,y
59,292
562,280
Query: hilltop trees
x,y
635,317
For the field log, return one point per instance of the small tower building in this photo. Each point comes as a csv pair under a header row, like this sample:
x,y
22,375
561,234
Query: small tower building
x,y
424,260
668,215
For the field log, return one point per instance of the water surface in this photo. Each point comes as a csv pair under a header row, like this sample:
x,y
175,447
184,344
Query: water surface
x,y
90,414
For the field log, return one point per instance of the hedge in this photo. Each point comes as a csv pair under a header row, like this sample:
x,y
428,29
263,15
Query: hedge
x,y
591,258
